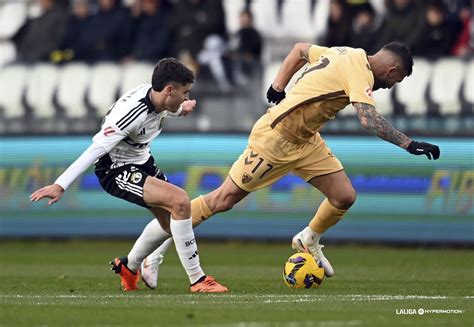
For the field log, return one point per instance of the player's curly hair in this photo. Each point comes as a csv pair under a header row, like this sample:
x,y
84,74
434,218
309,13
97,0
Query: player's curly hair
x,y
169,70
401,50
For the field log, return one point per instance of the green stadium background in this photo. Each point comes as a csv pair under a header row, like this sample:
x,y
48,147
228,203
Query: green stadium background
x,y
401,198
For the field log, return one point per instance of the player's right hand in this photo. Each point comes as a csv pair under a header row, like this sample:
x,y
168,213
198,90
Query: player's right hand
x,y
273,96
53,192
418,148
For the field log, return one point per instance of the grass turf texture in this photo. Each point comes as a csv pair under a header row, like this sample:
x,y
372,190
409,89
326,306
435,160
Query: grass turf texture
x,y
69,284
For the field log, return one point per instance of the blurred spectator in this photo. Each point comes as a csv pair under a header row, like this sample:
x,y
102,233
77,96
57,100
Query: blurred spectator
x,y
437,35
43,34
199,36
75,44
364,29
464,44
403,22
108,34
151,34
339,24
248,48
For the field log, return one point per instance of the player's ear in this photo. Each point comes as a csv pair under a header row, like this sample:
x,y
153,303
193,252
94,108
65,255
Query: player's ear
x,y
168,89
391,70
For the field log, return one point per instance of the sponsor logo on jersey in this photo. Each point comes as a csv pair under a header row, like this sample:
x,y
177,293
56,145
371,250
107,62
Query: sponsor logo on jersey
x,y
369,92
108,130
142,132
246,178
136,177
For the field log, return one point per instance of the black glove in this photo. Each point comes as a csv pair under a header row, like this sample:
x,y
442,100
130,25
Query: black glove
x,y
274,96
418,148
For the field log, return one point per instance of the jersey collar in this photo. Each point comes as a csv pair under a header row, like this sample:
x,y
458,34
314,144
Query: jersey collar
x,y
147,101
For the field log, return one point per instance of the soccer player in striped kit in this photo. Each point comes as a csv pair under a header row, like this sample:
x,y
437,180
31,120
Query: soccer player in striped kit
x,y
126,169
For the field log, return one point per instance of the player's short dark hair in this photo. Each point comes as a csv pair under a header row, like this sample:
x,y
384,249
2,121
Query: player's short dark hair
x,y
169,70
401,50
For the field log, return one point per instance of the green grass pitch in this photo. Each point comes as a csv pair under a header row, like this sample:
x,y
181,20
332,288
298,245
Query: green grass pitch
x,y
70,284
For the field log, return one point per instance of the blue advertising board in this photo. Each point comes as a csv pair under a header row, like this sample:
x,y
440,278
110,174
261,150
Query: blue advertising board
x,y
401,198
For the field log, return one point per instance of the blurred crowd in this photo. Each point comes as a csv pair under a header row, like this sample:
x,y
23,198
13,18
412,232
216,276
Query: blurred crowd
x,y
195,31
431,28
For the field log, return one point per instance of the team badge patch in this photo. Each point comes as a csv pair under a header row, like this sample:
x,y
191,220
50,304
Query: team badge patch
x,y
246,178
369,92
136,177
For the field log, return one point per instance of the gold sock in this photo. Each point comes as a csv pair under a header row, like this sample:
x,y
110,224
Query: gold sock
x,y
326,216
199,210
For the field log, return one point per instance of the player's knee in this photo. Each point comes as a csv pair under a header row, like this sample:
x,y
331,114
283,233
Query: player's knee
x,y
181,206
345,200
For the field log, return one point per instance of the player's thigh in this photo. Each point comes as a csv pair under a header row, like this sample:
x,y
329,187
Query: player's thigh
x,y
255,169
158,193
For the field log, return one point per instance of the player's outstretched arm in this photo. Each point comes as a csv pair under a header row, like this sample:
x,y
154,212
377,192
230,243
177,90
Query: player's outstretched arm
x,y
293,62
55,191
378,125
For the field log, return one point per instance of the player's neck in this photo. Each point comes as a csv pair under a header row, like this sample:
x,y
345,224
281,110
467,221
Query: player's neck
x,y
157,100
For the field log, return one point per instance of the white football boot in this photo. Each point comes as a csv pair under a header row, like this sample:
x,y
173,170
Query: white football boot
x,y
316,250
149,269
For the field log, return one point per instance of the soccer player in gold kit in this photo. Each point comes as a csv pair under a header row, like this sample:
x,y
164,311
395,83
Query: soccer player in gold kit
x,y
286,139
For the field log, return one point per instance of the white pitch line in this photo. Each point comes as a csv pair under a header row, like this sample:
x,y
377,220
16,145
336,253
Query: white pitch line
x,y
270,298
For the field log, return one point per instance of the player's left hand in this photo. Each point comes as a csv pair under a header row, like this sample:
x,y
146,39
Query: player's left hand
x,y
188,107
418,148
53,192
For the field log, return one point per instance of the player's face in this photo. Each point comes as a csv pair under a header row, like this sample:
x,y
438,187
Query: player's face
x,y
177,94
388,79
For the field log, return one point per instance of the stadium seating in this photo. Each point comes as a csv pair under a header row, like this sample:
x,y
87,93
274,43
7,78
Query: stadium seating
x,y
12,16
135,74
45,92
12,86
383,101
7,52
411,93
302,27
448,75
72,85
41,87
103,88
468,89
232,9
265,17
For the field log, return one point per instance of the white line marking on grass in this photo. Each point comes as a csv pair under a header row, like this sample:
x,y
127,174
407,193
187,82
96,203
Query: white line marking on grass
x,y
323,323
239,298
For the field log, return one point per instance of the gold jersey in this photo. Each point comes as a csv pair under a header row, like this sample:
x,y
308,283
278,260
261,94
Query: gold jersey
x,y
333,78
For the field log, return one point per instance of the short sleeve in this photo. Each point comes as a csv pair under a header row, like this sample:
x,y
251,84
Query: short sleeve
x,y
315,51
357,84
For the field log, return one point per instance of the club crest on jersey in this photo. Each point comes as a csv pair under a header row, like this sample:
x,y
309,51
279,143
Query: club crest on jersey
x,y
246,178
136,177
369,92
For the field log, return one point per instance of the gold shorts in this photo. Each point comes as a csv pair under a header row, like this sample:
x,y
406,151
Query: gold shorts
x,y
269,156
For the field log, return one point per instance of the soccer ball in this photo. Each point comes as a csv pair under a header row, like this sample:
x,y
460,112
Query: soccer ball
x,y
302,271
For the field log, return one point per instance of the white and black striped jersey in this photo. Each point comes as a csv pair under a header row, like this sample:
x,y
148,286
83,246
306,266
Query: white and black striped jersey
x,y
129,127
126,133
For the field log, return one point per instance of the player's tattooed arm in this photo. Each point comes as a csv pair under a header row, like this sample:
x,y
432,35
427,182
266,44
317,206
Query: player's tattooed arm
x,y
304,51
378,125
293,62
